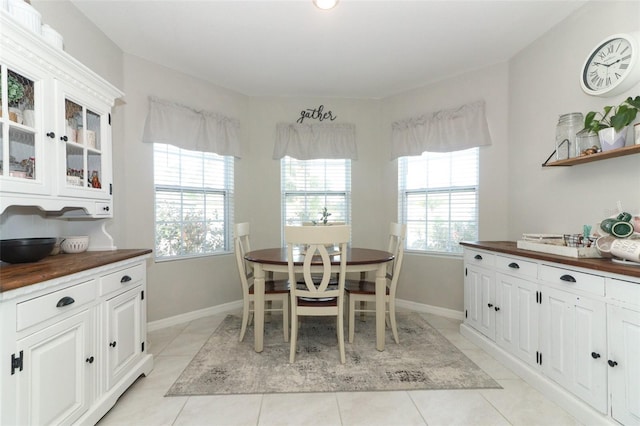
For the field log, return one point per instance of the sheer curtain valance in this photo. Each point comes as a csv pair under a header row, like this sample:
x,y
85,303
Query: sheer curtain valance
x,y
313,141
442,131
188,128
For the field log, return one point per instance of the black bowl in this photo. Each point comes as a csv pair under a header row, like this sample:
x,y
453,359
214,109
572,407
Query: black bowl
x,y
25,250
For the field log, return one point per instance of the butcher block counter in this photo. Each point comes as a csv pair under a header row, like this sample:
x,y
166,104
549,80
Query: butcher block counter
x,y
14,276
598,264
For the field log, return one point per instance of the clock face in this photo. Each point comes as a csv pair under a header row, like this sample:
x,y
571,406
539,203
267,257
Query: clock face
x,y
608,65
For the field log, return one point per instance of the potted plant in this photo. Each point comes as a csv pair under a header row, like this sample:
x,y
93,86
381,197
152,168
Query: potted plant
x,y
324,219
15,92
611,124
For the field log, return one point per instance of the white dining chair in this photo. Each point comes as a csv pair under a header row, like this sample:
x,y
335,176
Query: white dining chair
x,y
274,290
313,295
360,292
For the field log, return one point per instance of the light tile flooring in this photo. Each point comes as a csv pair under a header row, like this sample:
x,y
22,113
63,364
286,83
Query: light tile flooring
x,y
144,403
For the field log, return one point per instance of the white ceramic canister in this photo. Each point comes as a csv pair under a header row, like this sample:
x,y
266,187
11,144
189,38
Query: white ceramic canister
x,y
26,15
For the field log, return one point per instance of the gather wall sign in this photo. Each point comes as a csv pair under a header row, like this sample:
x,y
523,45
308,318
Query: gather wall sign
x,y
316,114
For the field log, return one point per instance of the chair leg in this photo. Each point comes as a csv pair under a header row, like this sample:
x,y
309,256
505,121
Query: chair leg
x,y
352,318
392,318
285,318
341,337
294,336
245,319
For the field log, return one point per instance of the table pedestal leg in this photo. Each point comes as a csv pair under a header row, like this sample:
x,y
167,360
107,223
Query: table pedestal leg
x,y
258,306
381,284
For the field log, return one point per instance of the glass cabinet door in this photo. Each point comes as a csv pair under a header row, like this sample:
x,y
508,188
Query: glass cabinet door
x,y
22,165
85,157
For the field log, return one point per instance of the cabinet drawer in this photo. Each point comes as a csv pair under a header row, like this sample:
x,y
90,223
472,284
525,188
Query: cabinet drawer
x,y
623,291
103,209
570,279
515,266
36,310
480,258
123,279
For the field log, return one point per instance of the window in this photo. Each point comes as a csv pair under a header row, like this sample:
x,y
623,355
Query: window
x,y
438,199
194,202
308,186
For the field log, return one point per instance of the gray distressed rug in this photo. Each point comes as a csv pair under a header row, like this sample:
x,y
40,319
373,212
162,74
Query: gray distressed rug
x,y
424,359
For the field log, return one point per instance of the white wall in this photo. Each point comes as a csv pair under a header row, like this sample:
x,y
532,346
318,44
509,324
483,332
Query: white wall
x,y
544,82
437,280
524,98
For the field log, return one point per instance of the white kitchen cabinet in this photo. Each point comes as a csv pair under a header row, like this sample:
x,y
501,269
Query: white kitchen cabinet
x,y
479,284
56,384
74,344
623,359
55,140
572,332
574,344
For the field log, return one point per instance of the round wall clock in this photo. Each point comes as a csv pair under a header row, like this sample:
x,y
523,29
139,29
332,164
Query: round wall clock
x,y
613,66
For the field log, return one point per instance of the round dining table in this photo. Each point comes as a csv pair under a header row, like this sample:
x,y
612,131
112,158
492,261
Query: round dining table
x,y
358,260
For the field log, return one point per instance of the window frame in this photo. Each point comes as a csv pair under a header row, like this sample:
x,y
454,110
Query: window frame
x,y
404,193
226,192
284,194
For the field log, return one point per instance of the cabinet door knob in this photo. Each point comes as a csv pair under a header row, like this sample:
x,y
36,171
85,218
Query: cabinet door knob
x,y
595,355
51,135
65,301
105,208
612,363
64,138
113,344
477,257
490,305
514,265
90,360
497,308
568,278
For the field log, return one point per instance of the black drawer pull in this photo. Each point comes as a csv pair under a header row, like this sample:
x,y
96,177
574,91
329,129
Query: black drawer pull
x,y
90,360
125,279
65,301
477,257
105,208
497,308
568,278
113,344
595,355
612,363
490,305
514,265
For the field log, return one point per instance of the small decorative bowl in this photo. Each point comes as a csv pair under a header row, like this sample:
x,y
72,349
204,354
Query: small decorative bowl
x,y
74,244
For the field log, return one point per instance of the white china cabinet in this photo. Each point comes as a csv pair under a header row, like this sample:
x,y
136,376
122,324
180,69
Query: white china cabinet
x,y
55,127
570,328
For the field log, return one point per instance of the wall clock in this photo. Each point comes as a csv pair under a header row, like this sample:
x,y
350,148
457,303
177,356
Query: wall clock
x,y
613,66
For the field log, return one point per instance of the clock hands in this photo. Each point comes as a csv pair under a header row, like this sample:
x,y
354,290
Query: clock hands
x,y
614,62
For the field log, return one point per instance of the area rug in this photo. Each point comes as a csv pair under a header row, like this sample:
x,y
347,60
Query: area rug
x,y
424,359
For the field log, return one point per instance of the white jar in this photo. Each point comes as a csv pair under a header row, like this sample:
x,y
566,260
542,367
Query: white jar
x,y
26,15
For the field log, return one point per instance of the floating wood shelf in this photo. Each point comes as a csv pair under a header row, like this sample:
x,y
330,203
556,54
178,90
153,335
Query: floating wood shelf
x,y
620,152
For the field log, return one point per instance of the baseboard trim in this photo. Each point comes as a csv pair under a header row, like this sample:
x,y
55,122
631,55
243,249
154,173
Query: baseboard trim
x,y
583,412
430,309
194,315
232,306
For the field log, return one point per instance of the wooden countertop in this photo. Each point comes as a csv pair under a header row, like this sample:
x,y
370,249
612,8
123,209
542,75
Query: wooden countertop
x,y
13,276
598,264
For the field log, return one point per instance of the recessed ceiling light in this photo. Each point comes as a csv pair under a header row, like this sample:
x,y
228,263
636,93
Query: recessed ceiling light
x,y
325,4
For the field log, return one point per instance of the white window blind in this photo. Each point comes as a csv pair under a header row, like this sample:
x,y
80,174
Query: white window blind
x,y
438,199
308,186
193,202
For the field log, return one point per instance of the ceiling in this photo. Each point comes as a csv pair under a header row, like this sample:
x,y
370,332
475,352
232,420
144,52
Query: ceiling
x,y
360,49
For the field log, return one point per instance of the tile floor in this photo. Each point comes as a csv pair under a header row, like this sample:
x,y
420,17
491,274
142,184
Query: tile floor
x,y
143,404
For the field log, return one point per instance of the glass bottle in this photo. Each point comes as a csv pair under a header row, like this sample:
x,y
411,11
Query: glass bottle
x,y
568,126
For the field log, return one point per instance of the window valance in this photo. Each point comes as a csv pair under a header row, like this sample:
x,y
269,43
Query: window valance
x,y
313,141
442,131
188,128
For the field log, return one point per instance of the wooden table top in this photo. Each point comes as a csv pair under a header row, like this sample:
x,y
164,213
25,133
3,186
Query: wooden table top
x,y
13,276
355,256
